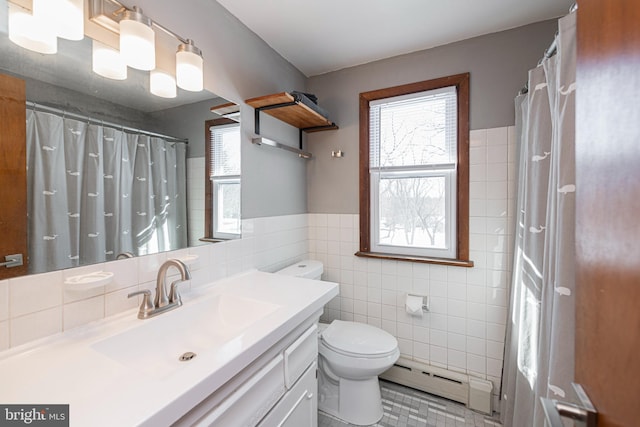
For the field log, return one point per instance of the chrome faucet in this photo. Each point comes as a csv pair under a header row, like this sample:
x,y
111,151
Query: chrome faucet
x,y
162,301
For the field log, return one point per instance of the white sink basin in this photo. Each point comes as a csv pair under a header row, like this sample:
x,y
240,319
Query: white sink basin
x,y
155,346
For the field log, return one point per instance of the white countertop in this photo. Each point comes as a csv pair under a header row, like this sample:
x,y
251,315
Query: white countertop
x,y
102,391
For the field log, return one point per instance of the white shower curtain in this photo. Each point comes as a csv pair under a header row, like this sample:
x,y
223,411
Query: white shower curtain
x,y
96,192
539,352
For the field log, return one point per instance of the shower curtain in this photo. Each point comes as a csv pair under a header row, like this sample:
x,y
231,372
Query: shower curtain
x,y
539,350
95,192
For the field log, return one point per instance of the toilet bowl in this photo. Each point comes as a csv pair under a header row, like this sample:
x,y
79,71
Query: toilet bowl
x,y
351,356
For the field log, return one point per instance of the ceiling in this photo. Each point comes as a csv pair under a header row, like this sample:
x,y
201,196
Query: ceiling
x,y
322,36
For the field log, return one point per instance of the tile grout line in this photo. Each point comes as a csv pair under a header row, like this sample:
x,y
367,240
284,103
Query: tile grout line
x,y
399,410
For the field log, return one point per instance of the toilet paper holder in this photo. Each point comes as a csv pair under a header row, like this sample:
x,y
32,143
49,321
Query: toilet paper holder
x,y
425,301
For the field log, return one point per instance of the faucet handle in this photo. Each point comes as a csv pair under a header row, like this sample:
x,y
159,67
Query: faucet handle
x,y
146,306
174,295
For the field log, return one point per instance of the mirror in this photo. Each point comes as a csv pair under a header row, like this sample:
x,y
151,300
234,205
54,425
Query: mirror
x,y
62,87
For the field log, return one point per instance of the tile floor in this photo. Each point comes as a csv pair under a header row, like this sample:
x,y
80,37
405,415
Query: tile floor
x,y
406,407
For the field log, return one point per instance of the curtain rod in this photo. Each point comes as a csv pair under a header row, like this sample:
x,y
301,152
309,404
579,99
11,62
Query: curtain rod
x,y
550,51
63,113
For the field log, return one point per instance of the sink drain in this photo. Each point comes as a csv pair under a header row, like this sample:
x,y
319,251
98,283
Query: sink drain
x,y
187,356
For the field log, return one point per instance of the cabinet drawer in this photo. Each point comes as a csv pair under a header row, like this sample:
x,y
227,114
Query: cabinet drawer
x,y
249,403
299,355
299,406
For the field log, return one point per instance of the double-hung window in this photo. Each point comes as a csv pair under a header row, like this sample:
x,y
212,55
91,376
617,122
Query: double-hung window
x,y
414,171
224,179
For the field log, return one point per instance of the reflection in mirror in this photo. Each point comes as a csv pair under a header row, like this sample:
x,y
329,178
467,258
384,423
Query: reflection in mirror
x,y
107,160
96,191
222,216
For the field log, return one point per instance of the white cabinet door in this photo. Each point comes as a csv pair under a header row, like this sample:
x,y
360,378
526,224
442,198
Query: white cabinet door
x,y
247,405
299,406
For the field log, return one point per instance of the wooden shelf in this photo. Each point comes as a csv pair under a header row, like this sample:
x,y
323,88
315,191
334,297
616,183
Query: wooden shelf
x,y
284,107
225,109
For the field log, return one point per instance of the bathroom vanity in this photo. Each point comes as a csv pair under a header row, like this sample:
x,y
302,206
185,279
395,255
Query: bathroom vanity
x,y
241,352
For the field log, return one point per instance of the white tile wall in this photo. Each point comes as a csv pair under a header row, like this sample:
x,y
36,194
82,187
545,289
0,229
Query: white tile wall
x,y
464,330
35,325
4,314
28,296
38,305
4,300
4,335
195,198
83,311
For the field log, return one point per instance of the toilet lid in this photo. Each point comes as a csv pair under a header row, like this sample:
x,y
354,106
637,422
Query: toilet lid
x,y
358,338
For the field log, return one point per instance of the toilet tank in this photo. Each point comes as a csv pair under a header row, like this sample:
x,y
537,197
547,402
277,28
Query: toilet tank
x,y
309,269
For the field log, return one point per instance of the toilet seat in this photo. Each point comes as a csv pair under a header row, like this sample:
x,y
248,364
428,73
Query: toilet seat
x,y
358,340
325,348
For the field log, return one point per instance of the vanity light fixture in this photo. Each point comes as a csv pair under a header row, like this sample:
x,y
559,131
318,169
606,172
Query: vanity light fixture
x,y
137,40
107,62
137,44
189,67
64,17
162,84
27,30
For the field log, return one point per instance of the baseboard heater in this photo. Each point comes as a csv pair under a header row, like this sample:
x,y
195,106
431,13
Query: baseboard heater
x,y
470,391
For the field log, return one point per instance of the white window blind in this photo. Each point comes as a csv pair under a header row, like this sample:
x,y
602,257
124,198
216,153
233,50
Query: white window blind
x,y
225,150
414,130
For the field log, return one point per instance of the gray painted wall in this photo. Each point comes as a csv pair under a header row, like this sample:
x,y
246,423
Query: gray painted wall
x,y
86,105
498,64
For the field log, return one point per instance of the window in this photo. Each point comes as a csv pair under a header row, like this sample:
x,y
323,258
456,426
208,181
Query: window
x,y
223,220
414,171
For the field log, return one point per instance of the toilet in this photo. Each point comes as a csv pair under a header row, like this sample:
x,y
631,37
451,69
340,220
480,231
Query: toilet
x,y
351,356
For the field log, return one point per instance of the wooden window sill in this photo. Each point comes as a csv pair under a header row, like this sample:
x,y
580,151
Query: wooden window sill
x,y
409,258
211,240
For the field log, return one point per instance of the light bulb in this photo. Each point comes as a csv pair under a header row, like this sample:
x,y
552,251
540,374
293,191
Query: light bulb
x,y
28,31
107,62
137,40
64,17
162,84
189,65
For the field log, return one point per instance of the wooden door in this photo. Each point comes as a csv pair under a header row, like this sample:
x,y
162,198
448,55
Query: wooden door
x,y
608,208
13,174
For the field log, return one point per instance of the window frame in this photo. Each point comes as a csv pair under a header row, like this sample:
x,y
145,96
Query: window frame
x,y
209,185
461,83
